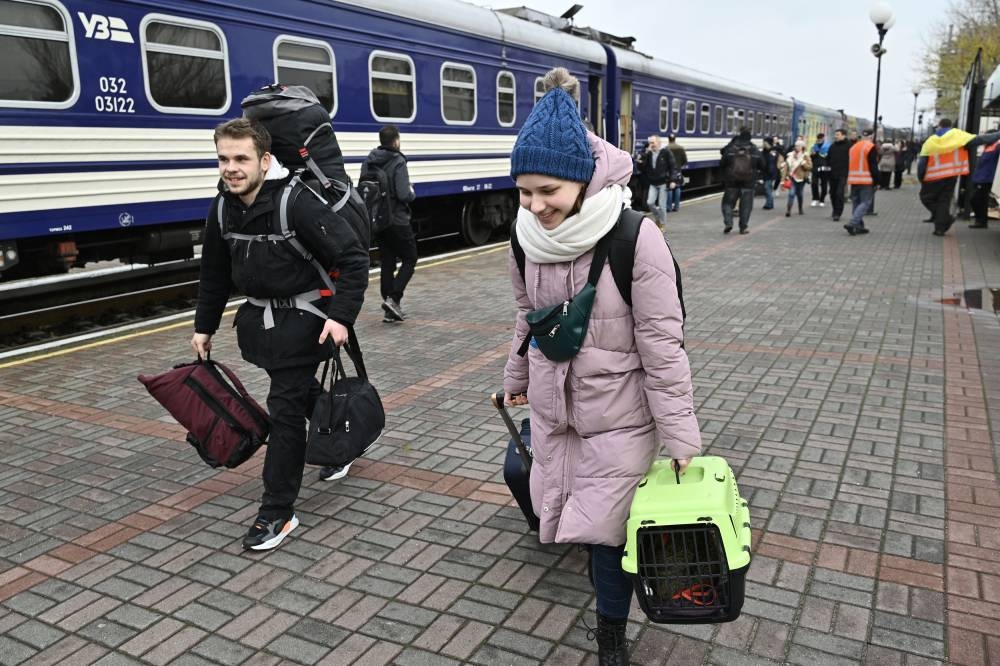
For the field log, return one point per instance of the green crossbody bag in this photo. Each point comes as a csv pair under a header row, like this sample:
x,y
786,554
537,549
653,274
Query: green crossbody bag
x,y
559,329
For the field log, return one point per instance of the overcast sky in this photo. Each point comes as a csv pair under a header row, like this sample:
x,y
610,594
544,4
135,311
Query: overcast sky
x,y
815,51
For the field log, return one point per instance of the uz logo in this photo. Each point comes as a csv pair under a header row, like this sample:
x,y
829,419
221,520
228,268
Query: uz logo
x,y
105,27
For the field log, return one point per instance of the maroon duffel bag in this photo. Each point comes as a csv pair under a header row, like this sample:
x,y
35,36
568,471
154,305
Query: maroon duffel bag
x,y
225,425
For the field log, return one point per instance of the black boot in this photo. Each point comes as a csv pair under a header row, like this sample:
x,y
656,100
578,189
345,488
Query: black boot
x,y
611,647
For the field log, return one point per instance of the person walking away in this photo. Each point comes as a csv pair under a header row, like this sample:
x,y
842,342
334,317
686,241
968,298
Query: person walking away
x,y
900,156
290,314
657,166
677,174
595,420
797,166
982,182
862,178
886,164
838,159
943,158
396,243
770,157
820,170
740,164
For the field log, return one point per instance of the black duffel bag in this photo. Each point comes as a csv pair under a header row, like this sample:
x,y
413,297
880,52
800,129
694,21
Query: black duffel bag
x,y
349,417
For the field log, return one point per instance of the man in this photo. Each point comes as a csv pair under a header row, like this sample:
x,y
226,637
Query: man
x,y
290,311
677,175
770,156
821,170
741,162
397,242
862,178
982,181
657,165
943,158
838,159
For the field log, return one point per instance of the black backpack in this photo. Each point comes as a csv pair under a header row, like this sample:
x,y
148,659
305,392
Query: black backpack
x,y
621,256
303,139
741,163
375,190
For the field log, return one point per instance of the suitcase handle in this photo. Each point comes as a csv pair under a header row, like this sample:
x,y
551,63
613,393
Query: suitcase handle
x,y
522,450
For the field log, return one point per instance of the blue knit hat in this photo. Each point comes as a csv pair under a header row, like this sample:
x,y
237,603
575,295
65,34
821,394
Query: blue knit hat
x,y
553,141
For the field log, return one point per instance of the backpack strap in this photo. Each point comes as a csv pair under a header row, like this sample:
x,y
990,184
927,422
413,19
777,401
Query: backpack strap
x,y
515,246
286,201
622,256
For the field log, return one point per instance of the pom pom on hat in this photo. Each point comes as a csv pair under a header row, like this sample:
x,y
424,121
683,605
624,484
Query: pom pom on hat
x,y
553,141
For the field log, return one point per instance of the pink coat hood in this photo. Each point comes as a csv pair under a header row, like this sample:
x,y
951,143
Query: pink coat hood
x,y
612,166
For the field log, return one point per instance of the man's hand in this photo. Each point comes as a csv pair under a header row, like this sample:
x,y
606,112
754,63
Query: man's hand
x,y
202,344
336,331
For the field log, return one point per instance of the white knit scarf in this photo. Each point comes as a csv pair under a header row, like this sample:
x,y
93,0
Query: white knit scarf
x,y
576,235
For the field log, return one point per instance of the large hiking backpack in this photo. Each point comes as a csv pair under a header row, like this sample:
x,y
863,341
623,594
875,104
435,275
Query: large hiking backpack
x,y
303,140
741,163
375,190
621,256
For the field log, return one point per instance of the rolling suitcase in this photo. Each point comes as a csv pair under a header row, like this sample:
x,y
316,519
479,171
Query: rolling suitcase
x,y
517,462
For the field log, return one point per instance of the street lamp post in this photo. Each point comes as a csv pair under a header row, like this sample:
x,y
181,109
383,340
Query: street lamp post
x,y
881,16
913,123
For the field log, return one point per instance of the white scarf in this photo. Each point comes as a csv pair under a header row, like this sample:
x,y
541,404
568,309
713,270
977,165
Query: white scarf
x,y
576,235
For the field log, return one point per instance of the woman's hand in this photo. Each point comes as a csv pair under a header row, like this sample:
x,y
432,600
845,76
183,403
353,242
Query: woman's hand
x,y
680,464
514,399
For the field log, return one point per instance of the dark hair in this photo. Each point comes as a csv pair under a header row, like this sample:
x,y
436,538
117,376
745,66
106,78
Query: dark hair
x,y
821,136
744,130
840,130
672,136
945,122
387,135
241,128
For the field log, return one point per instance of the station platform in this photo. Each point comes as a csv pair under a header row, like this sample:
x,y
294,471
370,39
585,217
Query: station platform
x,y
851,382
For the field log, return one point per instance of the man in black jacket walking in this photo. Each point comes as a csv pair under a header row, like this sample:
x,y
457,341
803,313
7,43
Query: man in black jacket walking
x,y
657,165
291,309
838,159
741,163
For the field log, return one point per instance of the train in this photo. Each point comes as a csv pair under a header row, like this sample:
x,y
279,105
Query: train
x,y
108,107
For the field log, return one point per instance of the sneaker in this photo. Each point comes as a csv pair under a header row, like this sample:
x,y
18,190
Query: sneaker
x,y
331,473
392,309
389,320
836,218
851,229
861,231
265,534
744,231
821,204
813,204
726,230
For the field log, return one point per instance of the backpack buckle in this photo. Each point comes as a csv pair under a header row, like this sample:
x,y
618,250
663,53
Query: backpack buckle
x,y
285,303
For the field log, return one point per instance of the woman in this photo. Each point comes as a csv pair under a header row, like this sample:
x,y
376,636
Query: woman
x,y
596,418
900,158
886,165
796,166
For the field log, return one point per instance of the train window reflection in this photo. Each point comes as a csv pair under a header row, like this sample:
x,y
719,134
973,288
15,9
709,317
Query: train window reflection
x,y
664,114
185,65
39,59
458,94
307,62
689,117
506,99
730,120
675,114
706,118
718,120
539,89
393,86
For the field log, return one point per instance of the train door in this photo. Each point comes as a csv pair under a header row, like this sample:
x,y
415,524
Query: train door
x,y
595,95
625,132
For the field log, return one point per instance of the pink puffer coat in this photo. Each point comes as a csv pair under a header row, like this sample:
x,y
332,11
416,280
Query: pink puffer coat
x,y
596,418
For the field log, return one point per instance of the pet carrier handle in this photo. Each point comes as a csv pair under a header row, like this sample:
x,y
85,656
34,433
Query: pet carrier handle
x,y
676,466
522,450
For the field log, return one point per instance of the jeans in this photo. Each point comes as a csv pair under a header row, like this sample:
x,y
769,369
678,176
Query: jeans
x,y
674,198
936,196
612,585
796,192
729,197
768,193
290,402
980,202
657,200
397,243
861,200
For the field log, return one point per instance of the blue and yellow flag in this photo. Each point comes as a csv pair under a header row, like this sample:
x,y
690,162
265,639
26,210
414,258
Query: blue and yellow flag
x,y
950,141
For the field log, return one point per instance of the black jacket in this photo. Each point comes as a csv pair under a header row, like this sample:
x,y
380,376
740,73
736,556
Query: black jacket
x,y
393,163
759,166
665,165
838,158
268,269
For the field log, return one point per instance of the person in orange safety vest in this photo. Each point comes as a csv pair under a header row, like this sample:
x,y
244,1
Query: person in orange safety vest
x,y
862,175
943,158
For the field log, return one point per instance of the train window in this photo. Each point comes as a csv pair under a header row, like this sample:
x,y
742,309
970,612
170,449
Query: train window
x,y
718,120
506,99
539,89
730,120
750,120
41,59
185,65
307,62
675,114
706,118
458,94
393,86
740,119
689,117
664,114
760,123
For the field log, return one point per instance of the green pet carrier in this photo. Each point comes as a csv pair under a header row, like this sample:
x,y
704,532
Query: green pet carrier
x,y
688,543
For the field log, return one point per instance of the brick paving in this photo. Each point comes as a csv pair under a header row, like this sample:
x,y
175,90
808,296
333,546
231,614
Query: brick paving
x,y
851,383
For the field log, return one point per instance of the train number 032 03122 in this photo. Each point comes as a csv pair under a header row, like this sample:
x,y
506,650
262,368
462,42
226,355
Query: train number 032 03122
x,y
117,101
